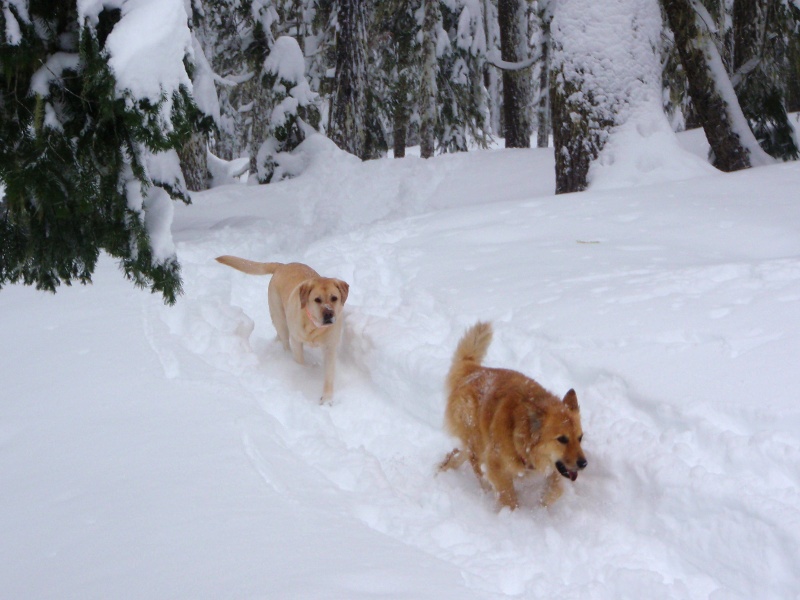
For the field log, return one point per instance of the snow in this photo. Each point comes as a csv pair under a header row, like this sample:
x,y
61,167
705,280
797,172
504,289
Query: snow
x,y
645,151
146,47
13,33
609,49
157,452
286,60
52,70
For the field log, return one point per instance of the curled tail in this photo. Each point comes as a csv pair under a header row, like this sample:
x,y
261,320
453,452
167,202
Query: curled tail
x,y
470,352
250,267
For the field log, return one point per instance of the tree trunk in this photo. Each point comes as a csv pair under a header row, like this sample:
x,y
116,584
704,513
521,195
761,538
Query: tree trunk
x,y
400,131
194,162
543,107
746,19
428,91
402,92
349,109
513,21
697,53
576,144
757,76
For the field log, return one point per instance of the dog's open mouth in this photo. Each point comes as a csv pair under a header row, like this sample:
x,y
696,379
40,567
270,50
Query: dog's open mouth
x,y
571,475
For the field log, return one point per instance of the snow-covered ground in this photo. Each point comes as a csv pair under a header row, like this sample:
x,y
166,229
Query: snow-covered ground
x,y
153,452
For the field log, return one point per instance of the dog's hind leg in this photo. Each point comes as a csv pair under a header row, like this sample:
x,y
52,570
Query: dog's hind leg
x,y
278,315
453,460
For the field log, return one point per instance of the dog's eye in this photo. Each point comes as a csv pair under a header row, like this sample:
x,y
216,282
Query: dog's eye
x,y
563,439
318,300
334,298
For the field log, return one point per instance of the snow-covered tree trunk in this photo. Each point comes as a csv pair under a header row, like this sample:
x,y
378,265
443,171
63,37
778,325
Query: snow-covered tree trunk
x,y
709,87
605,71
580,107
349,105
513,19
428,87
759,28
492,79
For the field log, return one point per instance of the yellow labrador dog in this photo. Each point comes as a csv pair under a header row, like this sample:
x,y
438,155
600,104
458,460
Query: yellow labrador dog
x,y
305,309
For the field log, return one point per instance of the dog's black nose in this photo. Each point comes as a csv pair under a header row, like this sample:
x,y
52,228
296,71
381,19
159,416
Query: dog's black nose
x,y
582,463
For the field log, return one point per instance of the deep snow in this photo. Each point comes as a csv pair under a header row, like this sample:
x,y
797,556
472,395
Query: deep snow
x,y
154,452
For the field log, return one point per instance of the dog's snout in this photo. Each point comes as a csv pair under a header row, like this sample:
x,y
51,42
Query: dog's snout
x,y
328,317
582,463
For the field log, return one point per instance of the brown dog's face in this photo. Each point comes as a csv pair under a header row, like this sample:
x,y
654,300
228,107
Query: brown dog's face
x,y
323,298
558,438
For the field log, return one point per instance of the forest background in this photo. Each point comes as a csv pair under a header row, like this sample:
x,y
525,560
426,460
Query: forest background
x,y
110,109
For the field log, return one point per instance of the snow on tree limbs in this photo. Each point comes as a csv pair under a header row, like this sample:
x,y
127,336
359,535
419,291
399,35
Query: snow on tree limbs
x,y
76,155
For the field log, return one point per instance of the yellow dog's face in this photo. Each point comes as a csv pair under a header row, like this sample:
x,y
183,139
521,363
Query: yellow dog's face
x,y
323,299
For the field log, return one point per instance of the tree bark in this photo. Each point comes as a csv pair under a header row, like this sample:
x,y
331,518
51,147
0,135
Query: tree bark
x,y
349,109
428,91
694,47
194,162
543,107
402,92
576,143
512,19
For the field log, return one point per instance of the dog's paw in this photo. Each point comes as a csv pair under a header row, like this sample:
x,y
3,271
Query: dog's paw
x,y
326,399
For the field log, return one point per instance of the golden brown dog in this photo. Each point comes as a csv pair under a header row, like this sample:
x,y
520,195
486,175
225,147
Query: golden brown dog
x,y
509,424
305,309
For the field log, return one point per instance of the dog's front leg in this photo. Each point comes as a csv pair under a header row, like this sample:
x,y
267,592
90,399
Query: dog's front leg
x,y
503,483
553,489
297,351
329,358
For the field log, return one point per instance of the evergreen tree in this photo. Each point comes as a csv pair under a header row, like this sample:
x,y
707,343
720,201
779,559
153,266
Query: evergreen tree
x,y
295,113
396,66
596,86
431,29
88,163
711,92
762,29
461,95
349,103
236,36
542,101
492,76
581,119
513,18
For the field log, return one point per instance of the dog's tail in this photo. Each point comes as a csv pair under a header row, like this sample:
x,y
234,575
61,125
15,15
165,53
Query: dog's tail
x,y
470,352
250,267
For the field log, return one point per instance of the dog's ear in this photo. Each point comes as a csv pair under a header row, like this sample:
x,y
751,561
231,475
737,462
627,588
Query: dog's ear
x,y
304,292
571,400
344,289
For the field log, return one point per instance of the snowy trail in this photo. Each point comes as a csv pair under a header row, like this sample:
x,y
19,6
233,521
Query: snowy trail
x,y
610,295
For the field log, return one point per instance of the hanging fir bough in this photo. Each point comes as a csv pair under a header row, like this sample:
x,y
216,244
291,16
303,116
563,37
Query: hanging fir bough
x,y
92,107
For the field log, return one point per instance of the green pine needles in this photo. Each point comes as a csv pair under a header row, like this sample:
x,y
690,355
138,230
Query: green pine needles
x,y
75,156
